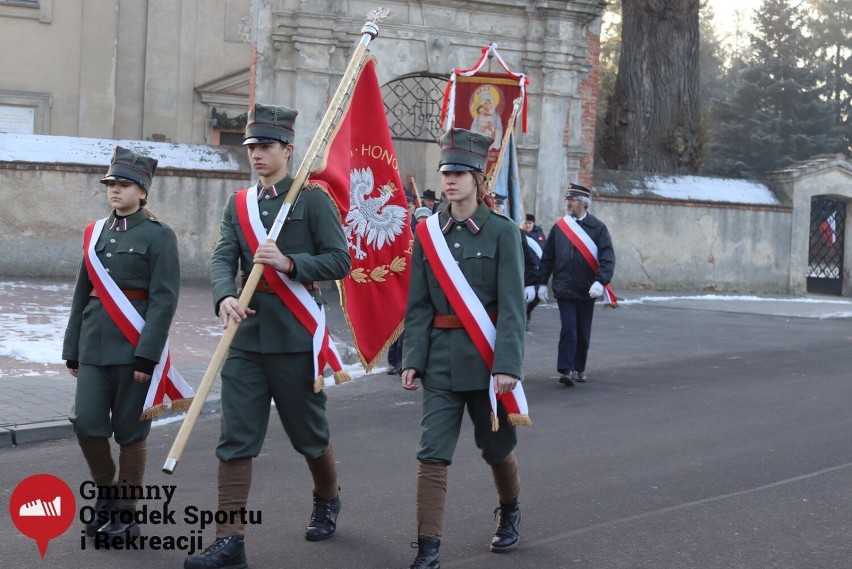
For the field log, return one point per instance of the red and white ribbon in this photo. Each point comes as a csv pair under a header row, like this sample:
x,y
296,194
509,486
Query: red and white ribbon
x,y
588,249
293,294
472,314
165,381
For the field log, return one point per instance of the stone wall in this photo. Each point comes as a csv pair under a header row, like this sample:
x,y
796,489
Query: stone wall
x,y
677,246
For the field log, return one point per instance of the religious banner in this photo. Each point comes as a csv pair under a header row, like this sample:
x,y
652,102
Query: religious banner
x,y
482,101
359,171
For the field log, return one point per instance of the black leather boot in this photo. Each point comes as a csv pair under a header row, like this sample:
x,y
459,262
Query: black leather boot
x,y
121,526
224,553
103,508
506,536
323,518
427,553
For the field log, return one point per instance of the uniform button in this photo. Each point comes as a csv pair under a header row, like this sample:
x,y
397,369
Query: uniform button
x,y
112,240
266,197
265,213
109,254
458,227
478,254
131,250
107,270
456,245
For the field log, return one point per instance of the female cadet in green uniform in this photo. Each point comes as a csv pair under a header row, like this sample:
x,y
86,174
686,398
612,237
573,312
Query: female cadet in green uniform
x,y
140,254
271,356
439,352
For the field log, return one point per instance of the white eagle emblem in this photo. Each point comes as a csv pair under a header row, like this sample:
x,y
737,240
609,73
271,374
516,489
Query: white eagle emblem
x,y
369,218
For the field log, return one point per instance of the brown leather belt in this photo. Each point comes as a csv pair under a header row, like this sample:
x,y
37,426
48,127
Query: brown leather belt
x,y
453,321
130,293
263,286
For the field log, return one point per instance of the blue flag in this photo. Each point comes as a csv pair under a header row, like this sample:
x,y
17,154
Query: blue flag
x,y
509,184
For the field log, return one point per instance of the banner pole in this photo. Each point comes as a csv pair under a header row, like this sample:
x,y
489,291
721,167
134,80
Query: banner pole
x,y
495,170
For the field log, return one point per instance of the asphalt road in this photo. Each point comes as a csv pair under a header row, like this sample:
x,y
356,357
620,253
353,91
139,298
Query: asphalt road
x,y
702,440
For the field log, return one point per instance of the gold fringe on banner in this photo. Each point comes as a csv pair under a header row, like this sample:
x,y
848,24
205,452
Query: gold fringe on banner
x,y
520,420
495,423
341,377
368,365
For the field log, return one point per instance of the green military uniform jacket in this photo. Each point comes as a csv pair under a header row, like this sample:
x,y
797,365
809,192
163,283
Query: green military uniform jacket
x,y
142,255
312,237
487,248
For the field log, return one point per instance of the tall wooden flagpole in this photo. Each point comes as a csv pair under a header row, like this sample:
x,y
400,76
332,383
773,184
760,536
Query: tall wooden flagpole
x,y
327,126
507,132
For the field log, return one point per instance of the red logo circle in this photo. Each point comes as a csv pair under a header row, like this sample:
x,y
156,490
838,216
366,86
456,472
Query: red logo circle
x,y
42,507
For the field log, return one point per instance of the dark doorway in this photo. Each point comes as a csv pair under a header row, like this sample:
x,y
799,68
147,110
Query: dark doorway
x,y
825,251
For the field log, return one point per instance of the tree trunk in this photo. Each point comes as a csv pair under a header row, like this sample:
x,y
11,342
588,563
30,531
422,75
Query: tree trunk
x,y
653,117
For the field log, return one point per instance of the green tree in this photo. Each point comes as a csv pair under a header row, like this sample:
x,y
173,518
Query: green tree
x,y
831,30
778,113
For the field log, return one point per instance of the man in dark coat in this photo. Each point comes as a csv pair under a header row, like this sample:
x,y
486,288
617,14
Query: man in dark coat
x,y
575,284
534,291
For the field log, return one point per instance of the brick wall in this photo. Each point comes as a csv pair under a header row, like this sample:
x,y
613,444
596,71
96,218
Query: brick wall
x,y
589,94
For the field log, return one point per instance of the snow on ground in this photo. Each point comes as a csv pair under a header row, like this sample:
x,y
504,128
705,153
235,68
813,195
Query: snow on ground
x,y
32,332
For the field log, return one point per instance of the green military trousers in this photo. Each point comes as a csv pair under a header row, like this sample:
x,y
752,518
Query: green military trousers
x,y
250,381
107,401
440,426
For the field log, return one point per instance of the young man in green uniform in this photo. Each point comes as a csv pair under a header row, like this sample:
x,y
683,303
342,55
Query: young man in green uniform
x,y
438,350
271,357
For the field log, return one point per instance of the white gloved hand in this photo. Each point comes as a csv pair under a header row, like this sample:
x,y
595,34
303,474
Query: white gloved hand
x,y
542,293
596,290
529,294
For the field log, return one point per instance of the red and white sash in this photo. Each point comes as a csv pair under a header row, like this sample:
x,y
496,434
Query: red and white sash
x,y
473,316
588,250
165,381
293,294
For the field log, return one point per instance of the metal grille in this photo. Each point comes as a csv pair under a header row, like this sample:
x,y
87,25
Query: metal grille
x,y
413,106
825,253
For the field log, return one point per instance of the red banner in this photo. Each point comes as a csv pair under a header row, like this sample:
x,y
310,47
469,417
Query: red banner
x,y
484,105
360,172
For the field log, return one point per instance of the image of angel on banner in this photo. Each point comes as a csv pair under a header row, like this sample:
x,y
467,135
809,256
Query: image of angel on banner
x,y
486,120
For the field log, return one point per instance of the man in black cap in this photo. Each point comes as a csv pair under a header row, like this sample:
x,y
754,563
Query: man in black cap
x,y
499,202
576,284
271,357
441,353
430,200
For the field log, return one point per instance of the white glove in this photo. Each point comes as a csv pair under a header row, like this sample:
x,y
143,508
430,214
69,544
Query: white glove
x,y
529,294
596,290
542,293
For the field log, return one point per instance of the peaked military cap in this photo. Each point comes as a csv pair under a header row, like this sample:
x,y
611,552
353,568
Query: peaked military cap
x,y
498,198
129,165
463,150
268,123
577,191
